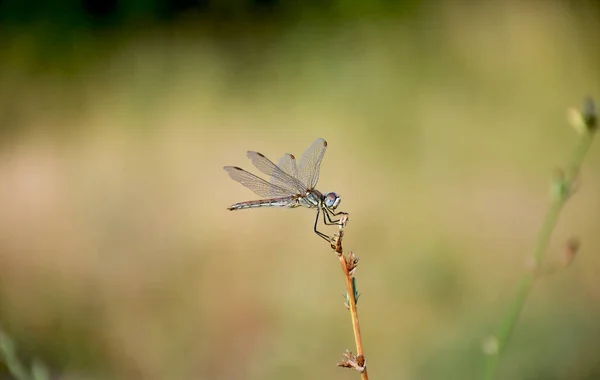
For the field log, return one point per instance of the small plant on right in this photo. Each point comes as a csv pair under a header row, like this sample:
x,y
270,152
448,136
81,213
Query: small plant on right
x,y
565,183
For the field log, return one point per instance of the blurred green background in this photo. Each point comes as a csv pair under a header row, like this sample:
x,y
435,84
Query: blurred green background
x,y
445,121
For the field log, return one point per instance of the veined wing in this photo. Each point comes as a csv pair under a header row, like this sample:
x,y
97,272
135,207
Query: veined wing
x,y
257,184
278,176
287,163
310,163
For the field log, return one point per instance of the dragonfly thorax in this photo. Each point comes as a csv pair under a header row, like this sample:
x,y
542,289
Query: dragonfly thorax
x,y
311,199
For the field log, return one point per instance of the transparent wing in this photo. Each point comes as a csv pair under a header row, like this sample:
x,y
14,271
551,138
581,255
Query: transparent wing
x,y
256,184
287,163
279,178
310,163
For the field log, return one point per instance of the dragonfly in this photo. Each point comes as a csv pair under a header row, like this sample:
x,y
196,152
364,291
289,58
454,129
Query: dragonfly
x,y
292,184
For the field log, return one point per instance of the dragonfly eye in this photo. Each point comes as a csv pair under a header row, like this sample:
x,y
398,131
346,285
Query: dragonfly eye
x,y
332,200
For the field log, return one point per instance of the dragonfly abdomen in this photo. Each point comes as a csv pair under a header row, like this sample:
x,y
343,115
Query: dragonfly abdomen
x,y
279,202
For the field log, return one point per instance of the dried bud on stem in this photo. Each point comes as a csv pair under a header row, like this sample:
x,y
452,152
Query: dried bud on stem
x,y
357,362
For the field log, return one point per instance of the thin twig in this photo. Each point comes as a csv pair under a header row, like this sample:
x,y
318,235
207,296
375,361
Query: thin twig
x,y
585,124
348,264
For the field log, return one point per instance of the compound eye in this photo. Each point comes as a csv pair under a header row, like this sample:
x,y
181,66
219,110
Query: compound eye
x,y
332,200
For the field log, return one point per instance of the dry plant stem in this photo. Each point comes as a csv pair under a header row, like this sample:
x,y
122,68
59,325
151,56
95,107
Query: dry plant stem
x,y
351,303
510,319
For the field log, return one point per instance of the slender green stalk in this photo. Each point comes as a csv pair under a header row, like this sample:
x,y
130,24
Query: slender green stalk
x,y
14,365
562,190
17,369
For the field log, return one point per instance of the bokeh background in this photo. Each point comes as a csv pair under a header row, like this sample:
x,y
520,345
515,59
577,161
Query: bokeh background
x,y
445,122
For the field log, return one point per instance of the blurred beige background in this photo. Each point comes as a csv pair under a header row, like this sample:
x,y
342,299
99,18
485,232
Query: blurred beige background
x,y
118,258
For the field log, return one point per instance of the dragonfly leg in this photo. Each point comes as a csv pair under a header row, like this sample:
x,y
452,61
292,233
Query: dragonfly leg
x,y
327,219
316,222
327,212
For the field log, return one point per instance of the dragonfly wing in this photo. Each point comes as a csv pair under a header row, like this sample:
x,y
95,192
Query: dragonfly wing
x,y
256,184
278,176
310,163
287,163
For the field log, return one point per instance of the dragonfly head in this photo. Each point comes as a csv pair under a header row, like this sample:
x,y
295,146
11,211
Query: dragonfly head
x,y
332,200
